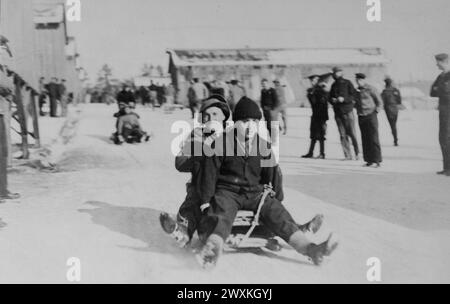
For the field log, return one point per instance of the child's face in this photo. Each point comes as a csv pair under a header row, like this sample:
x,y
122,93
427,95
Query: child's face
x,y
213,114
213,119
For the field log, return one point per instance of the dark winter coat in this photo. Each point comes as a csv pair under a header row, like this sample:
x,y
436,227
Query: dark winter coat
x,y
318,98
391,99
441,89
367,100
53,90
342,88
269,99
236,172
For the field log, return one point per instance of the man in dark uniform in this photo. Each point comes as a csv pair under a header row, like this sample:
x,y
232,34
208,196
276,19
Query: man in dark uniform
x,y
392,99
281,110
318,98
441,89
342,97
234,178
4,104
53,90
367,106
269,104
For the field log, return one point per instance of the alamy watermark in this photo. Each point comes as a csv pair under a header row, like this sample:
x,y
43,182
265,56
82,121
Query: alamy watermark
x,y
374,272
73,273
73,10
374,10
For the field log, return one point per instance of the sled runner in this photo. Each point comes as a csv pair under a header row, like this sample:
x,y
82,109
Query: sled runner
x,y
248,232
131,139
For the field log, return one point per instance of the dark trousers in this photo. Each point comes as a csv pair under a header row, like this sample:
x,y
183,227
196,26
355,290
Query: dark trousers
x,y
370,139
274,216
53,106
392,117
271,116
444,134
284,118
346,127
189,212
3,158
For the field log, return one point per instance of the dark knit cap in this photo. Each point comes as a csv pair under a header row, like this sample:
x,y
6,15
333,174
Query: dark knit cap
x,y
360,76
216,101
246,109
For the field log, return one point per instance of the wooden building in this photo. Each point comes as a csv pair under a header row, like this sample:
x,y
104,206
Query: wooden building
x,y
291,66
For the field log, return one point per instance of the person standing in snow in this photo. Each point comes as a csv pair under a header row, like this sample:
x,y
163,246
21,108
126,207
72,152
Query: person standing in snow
x,y
441,90
318,98
368,105
392,99
342,98
236,93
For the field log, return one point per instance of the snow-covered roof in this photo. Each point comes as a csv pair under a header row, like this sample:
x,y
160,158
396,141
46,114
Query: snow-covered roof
x,y
302,56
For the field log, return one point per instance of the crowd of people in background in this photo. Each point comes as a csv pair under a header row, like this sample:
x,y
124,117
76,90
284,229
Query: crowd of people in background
x,y
152,96
345,99
351,105
54,93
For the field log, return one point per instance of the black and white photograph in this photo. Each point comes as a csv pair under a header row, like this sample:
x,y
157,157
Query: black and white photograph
x,y
231,143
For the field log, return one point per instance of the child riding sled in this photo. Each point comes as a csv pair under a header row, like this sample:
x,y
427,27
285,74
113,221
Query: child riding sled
x,y
236,181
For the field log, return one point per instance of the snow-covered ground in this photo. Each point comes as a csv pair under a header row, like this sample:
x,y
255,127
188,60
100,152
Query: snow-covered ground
x,y
103,207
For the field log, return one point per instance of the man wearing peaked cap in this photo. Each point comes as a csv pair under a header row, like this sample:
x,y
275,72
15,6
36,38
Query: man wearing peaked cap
x,y
337,69
368,105
441,90
342,97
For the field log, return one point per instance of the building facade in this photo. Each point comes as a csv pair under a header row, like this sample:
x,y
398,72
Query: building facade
x,y
290,66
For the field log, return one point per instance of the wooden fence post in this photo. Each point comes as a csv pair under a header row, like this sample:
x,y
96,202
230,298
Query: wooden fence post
x,y
22,118
35,114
